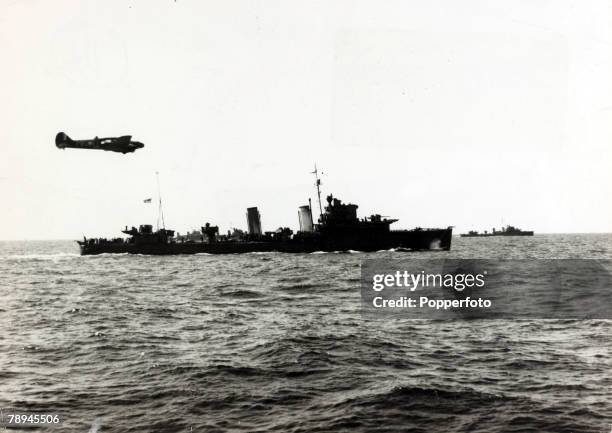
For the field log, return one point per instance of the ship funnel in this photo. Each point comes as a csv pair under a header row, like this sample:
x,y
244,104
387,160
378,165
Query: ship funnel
x,y
253,221
305,217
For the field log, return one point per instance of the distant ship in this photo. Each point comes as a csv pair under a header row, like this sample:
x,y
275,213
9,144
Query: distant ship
x,y
338,229
505,231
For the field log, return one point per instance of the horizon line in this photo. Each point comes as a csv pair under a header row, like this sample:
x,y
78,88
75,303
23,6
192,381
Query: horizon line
x,y
454,234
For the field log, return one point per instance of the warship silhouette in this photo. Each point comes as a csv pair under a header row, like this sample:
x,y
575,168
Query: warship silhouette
x,y
338,229
505,231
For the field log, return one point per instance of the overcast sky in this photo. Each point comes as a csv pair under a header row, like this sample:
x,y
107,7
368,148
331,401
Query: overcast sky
x,y
439,113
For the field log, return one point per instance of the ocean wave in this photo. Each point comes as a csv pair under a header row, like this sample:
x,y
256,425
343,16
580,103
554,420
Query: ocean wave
x,y
242,294
46,256
277,342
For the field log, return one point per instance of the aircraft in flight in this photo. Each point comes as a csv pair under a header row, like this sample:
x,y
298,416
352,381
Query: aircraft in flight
x,y
122,144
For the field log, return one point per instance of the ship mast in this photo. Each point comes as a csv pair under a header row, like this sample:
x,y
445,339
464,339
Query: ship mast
x,y
160,210
318,185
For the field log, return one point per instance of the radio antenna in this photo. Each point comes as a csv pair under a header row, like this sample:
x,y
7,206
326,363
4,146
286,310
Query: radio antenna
x,y
160,210
318,185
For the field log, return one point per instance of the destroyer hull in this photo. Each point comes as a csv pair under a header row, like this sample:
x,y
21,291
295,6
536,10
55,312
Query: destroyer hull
x,y
483,235
417,240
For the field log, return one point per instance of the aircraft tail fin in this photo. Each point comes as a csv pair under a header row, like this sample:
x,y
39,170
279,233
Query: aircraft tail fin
x,y
61,139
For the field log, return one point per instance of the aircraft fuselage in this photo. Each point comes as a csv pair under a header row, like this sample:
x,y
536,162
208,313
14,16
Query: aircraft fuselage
x,y
123,144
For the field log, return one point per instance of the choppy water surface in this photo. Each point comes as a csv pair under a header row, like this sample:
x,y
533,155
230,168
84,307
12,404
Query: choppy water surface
x,y
274,342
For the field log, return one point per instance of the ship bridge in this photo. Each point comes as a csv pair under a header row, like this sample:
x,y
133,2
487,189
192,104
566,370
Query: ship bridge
x,y
340,216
